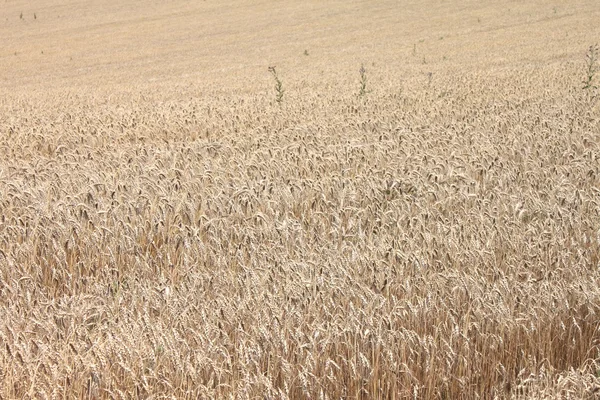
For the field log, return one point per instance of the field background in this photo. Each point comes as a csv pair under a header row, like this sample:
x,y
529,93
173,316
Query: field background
x,y
167,230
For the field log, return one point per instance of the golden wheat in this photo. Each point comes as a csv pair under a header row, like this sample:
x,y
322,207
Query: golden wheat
x,y
436,237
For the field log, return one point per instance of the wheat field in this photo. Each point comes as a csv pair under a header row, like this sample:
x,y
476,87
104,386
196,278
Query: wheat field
x,y
417,218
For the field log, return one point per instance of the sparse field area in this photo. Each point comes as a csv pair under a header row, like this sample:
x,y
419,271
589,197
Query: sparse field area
x,y
406,207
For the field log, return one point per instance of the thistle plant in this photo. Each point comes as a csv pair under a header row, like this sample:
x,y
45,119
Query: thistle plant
x,y
278,85
591,62
363,81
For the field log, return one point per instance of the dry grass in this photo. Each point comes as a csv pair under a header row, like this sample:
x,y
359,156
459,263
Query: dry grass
x,y
437,237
